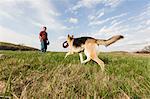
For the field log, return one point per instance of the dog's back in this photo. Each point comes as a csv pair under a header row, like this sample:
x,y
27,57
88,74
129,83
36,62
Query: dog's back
x,y
78,42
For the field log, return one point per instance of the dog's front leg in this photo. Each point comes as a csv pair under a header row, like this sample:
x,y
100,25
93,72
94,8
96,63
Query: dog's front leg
x,y
81,58
69,53
84,61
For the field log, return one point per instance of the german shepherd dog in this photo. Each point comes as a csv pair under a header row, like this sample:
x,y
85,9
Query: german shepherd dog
x,y
88,46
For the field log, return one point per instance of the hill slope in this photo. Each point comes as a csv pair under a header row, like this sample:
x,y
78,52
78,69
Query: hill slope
x,y
10,46
50,76
145,50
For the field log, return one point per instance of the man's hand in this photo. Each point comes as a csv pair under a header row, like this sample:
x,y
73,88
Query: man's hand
x,y
40,38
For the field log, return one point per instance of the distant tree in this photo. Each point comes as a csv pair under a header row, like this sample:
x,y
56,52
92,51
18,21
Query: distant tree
x,y
146,48
21,44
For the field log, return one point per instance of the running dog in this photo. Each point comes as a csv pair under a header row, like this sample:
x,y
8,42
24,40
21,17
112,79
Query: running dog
x,y
88,46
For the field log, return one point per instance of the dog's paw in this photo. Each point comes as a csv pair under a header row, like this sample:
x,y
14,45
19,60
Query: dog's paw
x,y
66,56
82,63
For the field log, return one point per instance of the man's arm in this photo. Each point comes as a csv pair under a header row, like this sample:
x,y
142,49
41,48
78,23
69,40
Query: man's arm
x,y
46,36
40,37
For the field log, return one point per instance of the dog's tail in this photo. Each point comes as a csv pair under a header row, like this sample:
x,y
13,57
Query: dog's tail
x,y
109,41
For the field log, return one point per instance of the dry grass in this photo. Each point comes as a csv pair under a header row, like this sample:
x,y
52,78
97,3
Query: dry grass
x,y
36,75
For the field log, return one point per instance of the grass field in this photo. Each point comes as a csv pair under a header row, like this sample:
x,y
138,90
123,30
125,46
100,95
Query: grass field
x,y
36,75
15,47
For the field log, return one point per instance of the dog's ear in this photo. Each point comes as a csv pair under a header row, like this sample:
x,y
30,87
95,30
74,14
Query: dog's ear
x,y
68,35
72,36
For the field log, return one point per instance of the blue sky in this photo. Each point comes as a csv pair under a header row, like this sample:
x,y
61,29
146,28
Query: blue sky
x,y
21,21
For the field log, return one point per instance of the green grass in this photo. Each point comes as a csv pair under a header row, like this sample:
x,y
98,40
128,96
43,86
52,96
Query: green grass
x,y
46,76
11,46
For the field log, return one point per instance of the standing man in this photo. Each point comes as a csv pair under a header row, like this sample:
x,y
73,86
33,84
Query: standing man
x,y
43,39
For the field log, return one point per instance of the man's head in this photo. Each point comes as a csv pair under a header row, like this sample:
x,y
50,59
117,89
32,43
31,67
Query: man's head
x,y
44,28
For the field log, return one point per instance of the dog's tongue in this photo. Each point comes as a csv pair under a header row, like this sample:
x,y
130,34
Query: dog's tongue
x,y
65,44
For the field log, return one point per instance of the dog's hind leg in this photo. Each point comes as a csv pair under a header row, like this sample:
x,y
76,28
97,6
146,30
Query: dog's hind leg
x,y
100,62
90,50
87,60
81,57
84,61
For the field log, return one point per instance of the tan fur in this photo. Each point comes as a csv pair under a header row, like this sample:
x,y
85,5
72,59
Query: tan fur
x,y
109,41
90,48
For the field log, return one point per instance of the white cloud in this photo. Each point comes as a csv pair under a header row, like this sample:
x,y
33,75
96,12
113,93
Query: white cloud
x,y
8,35
112,30
73,20
136,34
62,38
100,15
99,22
112,3
148,22
38,13
85,3
142,16
91,17
5,14
47,15
95,17
142,21
93,3
26,14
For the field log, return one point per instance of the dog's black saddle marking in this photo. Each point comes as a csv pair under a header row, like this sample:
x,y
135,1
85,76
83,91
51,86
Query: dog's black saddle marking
x,y
80,41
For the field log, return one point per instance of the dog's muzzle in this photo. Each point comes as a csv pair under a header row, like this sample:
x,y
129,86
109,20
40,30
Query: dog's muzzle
x,y
65,44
